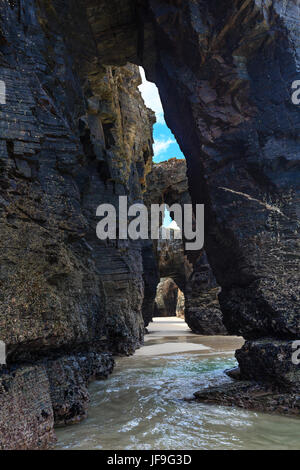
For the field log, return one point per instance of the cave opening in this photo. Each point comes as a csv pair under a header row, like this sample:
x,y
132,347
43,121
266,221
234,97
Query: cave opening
x,y
215,89
169,300
88,136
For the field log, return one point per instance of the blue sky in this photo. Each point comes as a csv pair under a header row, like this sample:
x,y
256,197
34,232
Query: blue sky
x,y
165,145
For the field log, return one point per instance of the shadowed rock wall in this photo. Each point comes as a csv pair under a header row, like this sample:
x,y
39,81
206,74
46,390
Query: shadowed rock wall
x,y
225,82
167,183
74,134
166,298
224,71
226,93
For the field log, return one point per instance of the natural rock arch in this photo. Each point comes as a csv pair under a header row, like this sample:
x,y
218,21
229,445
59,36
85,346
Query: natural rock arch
x,y
216,79
224,71
167,299
167,184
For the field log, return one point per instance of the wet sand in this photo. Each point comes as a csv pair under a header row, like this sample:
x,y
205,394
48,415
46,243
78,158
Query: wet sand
x,y
142,404
176,337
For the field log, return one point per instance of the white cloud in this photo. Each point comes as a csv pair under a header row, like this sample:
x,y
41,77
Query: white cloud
x,y
152,100
162,145
173,225
151,97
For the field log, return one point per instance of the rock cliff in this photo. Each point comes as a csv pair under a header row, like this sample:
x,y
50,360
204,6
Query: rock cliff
x,y
167,183
225,72
74,133
166,298
71,138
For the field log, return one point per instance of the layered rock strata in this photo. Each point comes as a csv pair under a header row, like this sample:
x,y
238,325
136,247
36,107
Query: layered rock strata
x,y
226,86
74,134
167,183
225,72
202,307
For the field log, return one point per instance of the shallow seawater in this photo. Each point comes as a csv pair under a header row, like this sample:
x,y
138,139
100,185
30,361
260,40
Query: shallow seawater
x,y
141,406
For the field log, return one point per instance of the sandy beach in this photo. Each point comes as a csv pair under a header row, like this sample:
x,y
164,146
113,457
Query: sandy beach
x,y
176,337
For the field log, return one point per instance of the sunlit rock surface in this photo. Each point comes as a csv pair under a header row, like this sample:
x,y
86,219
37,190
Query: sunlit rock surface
x,y
166,298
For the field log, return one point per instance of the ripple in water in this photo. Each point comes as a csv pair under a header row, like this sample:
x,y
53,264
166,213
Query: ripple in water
x,y
141,406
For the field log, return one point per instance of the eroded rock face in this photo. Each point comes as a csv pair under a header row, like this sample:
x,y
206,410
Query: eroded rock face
x,y
69,378
74,134
202,307
84,146
226,93
168,183
172,260
180,308
26,413
165,183
169,301
151,280
225,84
224,70
166,298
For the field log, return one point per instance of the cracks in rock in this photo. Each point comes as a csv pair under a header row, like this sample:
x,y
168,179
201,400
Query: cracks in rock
x,y
252,199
